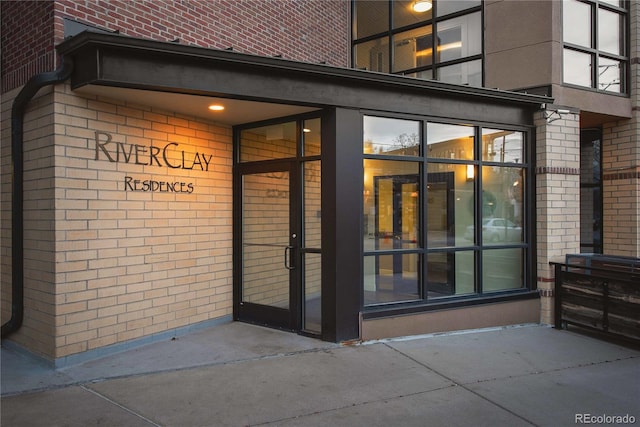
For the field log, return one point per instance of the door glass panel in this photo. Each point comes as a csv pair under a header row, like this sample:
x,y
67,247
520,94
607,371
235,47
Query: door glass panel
x,y
312,137
312,292
312,203
265,236
268,142
312,240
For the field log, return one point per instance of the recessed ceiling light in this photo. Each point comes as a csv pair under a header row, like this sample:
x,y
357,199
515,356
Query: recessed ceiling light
x,y
216,107
422,6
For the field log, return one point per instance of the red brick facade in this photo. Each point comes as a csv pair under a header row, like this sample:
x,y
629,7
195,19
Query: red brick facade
x,y
27,41
305,30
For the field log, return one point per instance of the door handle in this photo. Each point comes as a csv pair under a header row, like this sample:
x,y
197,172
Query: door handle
x,y
287,264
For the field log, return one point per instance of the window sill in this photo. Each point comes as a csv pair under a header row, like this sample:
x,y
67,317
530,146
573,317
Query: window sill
x,y
400,309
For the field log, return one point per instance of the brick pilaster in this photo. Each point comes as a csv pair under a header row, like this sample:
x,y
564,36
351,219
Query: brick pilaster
x,y
557,198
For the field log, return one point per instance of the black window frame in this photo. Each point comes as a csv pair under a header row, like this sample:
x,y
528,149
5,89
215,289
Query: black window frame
x,y
423,303
595,53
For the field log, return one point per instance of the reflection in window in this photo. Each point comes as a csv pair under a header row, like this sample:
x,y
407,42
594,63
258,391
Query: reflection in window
x,y
390,278
391,205
373,55
268,142
609,75
370,17
466,73
450,141
577,68
450,273
502,269
450,205
312,204
417,51
609,32
451,6
413,49
311,134
502,146
459,37
576,23
502,213
404,13
391,136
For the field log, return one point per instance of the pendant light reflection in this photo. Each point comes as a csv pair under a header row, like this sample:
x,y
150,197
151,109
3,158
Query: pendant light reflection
x,y
471,173
421,6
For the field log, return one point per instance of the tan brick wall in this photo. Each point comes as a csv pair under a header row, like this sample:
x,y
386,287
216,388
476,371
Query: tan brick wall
x,y
621,187
105,264
38,328
557,199
621,165
139,262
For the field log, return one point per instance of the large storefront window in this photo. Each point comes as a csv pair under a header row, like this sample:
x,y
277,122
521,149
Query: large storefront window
x,y
595,44
442,40
444,211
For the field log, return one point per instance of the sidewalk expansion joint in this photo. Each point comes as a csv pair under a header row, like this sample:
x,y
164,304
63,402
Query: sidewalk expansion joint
x,y
463,386
124,408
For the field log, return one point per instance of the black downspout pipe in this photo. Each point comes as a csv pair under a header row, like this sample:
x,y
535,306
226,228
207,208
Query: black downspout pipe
x,y
17,197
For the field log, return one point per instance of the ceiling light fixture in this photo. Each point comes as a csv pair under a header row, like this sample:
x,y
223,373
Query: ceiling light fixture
x,y
216,107
421,6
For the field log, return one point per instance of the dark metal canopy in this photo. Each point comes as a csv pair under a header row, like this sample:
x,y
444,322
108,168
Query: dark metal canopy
x,y
120,61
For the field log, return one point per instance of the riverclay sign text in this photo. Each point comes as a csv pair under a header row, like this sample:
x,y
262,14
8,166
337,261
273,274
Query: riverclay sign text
x,y
168,156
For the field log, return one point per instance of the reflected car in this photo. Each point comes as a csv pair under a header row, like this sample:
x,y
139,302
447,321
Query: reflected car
x,y
497,230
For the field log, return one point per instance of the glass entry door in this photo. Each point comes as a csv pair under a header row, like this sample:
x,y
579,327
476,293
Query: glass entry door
x,y
269,282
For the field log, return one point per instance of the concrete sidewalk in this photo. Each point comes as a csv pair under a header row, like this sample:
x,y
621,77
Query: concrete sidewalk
x,y
238,374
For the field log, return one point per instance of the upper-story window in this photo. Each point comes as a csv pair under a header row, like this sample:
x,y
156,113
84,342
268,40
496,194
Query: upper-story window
x,y
426,39
595,44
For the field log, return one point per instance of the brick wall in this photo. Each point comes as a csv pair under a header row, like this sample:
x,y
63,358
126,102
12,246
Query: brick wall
x,y
621,165
27,41
621,188
39,236
302,30
140,262
314,31
557,199
107,261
